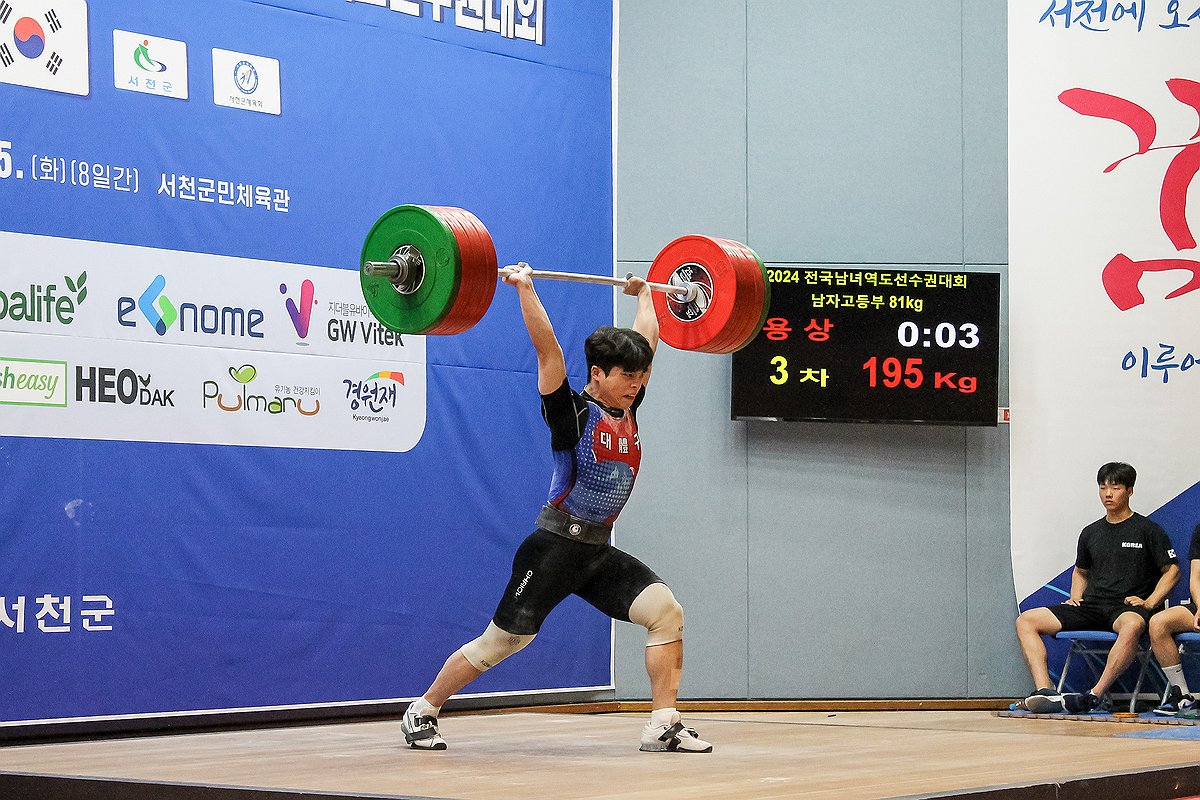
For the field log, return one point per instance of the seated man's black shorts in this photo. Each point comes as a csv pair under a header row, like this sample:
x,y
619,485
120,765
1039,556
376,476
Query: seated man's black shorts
x,y
1093,616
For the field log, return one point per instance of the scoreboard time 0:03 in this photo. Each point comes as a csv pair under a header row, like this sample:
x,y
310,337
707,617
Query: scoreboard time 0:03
x,y
874,345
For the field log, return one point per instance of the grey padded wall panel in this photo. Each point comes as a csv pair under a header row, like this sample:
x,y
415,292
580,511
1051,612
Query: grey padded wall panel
x,y
855,131
818,560
857,561
993,665
985,132
681,149
687,521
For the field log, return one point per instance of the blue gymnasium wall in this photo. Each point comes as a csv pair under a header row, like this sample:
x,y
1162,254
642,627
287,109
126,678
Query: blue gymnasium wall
x,y
246,576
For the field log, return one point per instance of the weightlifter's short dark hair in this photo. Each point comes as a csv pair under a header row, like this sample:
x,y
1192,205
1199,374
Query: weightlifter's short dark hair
x,y
609,347
1117,472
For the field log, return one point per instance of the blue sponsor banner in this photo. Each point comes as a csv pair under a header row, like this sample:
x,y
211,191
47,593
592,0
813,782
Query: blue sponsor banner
x,y
140,575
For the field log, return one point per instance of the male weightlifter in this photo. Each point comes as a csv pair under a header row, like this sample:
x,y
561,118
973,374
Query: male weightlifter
x,y
594,437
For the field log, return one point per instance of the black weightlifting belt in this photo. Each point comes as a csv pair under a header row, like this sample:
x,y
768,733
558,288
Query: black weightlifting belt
x,y
572,527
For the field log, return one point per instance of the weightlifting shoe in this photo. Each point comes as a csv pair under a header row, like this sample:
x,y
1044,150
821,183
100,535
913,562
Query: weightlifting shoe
x,y
673,738
421,733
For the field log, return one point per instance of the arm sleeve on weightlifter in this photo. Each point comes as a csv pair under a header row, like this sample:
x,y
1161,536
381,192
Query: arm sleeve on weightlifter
x,y
565,413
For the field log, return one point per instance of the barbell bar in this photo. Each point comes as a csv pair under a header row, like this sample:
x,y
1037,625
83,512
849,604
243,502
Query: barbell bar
x,y
404,270
432,270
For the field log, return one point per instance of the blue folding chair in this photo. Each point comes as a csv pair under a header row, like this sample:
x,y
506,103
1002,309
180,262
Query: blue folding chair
x,y
1092,647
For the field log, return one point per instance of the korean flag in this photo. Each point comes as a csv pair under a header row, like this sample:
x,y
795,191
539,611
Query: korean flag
x,y
44,44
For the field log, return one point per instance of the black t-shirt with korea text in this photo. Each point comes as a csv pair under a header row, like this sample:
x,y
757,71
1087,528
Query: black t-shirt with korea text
x,y
1194,548
1123,560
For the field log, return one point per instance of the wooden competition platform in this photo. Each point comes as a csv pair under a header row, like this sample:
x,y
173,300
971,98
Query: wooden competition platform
x,y
559,753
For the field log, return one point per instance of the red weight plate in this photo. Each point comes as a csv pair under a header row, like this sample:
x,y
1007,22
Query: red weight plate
x,y
695,326
484,276
748,296
737,290
448,323
478,282
482,269
750,300
765,289
456,320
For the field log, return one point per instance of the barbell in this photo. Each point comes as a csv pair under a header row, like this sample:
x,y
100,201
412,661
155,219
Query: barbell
x,y
432,270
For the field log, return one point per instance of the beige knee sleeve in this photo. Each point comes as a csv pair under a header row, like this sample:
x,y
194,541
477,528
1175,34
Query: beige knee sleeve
x,y
492,647
660,613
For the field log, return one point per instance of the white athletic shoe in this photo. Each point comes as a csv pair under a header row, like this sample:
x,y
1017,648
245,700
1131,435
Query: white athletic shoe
x,y
672,738
421,733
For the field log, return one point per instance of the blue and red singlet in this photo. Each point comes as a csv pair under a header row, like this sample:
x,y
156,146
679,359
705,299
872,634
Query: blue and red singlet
x,y
596,453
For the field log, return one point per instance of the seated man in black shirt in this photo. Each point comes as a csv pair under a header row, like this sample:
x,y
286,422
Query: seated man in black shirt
x,y
1163,627
1124,569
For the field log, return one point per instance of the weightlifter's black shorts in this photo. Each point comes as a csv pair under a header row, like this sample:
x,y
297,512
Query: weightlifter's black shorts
x,y
548,567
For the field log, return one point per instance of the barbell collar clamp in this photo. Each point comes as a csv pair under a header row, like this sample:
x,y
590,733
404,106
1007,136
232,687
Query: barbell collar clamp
x,y
405,269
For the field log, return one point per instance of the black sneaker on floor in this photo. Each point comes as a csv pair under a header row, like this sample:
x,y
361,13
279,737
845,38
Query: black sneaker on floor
x,y
1044,701
1176,701
1080,702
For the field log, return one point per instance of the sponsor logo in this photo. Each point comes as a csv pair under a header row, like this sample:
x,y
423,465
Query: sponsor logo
x,y
524,583
193,318
242,401
372,397
43,303
353,322
245,81
150,64
33,382
301,314
125,386
44,45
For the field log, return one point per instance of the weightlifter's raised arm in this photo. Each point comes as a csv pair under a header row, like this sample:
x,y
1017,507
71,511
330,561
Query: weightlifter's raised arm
x,y
552,367
645,321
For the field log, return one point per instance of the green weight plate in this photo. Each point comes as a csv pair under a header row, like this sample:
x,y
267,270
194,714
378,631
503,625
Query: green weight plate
x,y
423,309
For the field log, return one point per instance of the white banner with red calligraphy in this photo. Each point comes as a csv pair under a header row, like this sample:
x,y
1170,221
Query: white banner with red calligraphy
x,y
1104,146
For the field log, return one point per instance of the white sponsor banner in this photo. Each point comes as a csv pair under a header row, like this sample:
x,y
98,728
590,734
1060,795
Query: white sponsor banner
x,y
32,382
147,392
44,44
96,289
150,64
1103,109
245,81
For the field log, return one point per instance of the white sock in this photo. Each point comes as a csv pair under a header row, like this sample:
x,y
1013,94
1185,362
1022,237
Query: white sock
x,y
663,716
422,708
1175,677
